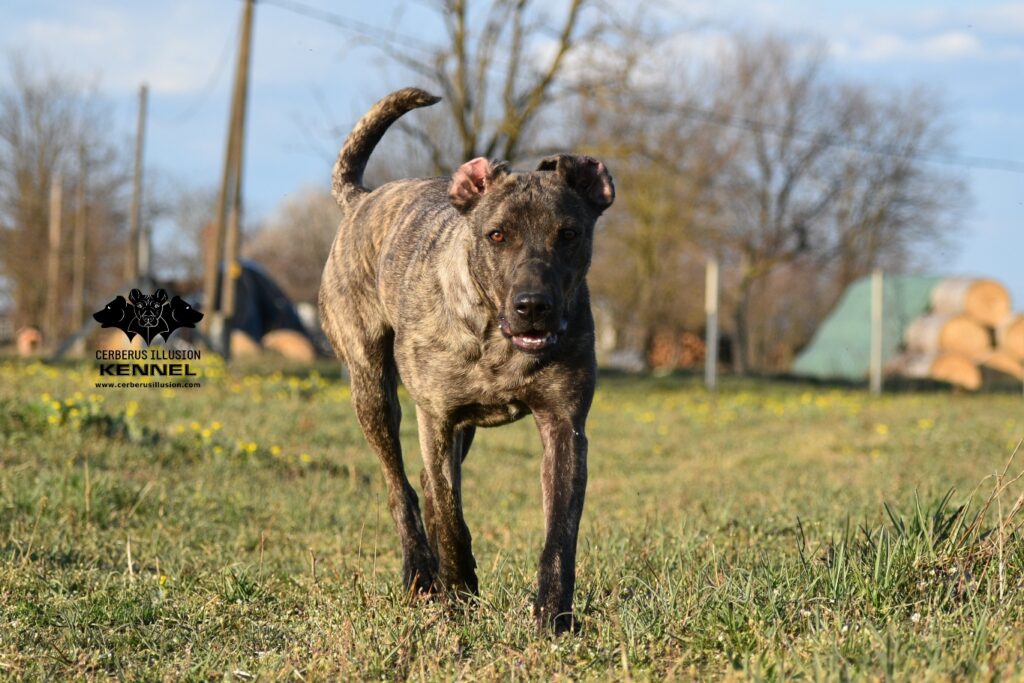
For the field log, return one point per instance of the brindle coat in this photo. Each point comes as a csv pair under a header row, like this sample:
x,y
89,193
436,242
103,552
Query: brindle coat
x,y
472,290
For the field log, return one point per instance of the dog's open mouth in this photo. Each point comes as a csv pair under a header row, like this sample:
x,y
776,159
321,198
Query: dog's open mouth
x,y
532,341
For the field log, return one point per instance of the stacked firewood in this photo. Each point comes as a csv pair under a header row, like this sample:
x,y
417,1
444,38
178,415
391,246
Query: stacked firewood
x,y
969,331
670,351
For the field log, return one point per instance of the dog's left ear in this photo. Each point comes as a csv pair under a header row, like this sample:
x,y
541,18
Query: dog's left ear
x,y
160,296
472,180
586,175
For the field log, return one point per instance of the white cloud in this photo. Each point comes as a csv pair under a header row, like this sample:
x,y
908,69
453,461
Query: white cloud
x,y
175,47
1002,19
167,46
1007,18
949,45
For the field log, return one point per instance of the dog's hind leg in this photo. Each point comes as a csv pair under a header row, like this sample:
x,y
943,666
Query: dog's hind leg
x,y
375,397
444,449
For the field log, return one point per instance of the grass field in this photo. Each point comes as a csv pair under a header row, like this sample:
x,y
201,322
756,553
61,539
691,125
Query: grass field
x,y
240,531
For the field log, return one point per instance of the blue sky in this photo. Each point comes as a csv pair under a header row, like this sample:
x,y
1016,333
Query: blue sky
x,y
309,76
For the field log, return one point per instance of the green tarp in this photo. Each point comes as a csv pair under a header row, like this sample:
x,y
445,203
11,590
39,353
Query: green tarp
x,y
841,348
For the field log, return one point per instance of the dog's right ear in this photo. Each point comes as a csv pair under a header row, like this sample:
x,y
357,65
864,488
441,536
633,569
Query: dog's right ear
x,y
472,180
135,296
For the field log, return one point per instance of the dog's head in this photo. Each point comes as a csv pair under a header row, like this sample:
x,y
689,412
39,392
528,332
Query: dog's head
x,y
532,239
148,307
183,314
113,313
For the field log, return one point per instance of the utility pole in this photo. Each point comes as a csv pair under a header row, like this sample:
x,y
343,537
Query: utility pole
x,y
78,253
226,242
51,328
711,321
132,268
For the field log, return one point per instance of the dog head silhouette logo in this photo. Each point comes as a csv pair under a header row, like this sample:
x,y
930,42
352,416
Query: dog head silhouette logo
x,y
148,315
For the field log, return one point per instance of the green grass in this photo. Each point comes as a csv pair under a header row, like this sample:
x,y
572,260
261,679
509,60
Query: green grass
x,y
774,531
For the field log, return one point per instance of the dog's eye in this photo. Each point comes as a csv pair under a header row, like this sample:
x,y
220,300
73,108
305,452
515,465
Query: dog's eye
x,y
567,235
496,236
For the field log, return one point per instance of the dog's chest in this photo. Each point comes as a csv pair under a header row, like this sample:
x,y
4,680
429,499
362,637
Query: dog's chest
x,y
484,382
493,415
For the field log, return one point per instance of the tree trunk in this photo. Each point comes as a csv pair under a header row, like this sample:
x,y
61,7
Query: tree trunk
x,y
741,318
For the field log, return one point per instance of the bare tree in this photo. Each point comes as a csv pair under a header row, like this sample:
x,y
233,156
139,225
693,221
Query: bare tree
x,y
648,256
183,219
827,173
500,68
50,123
798,180
294,242
892,202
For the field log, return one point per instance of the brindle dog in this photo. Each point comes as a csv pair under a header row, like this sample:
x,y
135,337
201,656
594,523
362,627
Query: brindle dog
x,y
472,290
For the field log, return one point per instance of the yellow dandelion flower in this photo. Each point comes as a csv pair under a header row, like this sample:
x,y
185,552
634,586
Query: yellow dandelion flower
x,y
251,447
195,426
275,450
75,412
881,429
217,450
306,458
925,423
215,425
46,398
131,408
56,405
52,419
206,433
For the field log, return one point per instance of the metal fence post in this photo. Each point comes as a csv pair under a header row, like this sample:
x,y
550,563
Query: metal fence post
x,y
877,299
711,333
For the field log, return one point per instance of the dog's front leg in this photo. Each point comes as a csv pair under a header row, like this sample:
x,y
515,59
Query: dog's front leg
x,y
443,450
564,483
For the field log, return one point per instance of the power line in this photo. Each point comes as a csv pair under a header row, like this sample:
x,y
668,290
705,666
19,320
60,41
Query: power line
x,y
839,142
973,162
207,90
353,25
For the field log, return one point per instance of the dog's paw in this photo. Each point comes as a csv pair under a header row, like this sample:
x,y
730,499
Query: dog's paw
x,y
463,588
557,623
420,581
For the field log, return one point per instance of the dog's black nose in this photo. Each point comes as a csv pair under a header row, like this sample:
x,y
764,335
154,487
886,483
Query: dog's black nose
x,y
532,305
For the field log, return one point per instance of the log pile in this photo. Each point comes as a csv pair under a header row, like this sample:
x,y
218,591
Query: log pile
x,y
670,351
969,333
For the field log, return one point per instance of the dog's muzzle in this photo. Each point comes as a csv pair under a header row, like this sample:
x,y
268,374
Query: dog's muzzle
x,y
531,341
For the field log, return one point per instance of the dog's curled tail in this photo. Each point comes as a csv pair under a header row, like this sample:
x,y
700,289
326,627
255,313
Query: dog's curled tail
x,y
347,179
